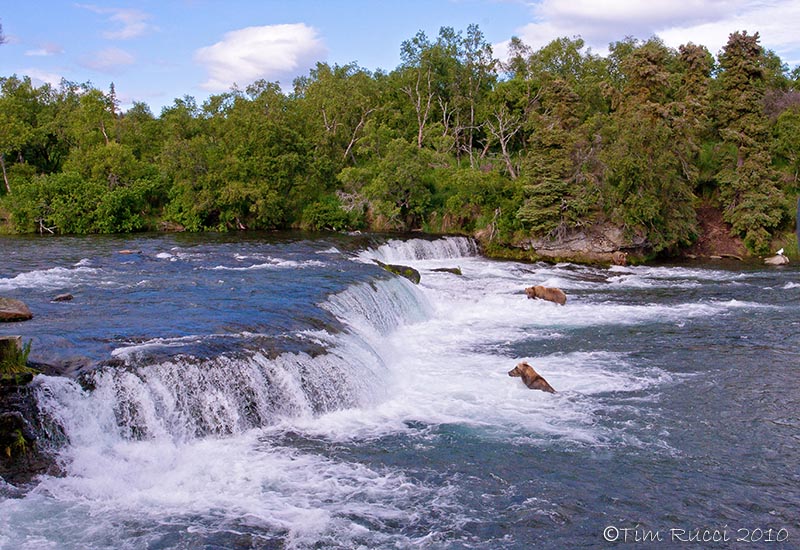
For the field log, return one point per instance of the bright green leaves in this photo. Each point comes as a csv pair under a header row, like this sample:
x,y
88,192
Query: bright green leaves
x,y
398,185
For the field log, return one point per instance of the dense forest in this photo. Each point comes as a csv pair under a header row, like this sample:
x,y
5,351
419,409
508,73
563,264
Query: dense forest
x,y
549,142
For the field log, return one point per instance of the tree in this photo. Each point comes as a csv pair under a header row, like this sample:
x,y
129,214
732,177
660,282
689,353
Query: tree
x,y
474,76
398,185
753,204
92,120
417,79
787,144
340,100
560,170
19,109
559,188
647,189
504,118
693,98
141,132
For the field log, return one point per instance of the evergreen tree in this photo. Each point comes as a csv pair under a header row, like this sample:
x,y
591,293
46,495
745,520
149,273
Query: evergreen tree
x,y
646,188
753,203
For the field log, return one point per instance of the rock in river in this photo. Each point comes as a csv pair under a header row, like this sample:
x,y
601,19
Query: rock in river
x,y
403,270
14,310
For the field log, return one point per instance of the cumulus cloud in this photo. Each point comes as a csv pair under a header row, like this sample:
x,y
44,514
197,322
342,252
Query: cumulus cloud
x,y
271,52
706,22
45,50
776,23
110,60
130,22
39,77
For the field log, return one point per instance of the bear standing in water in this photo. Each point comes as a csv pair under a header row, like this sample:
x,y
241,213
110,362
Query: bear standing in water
x,y
546,293
532,379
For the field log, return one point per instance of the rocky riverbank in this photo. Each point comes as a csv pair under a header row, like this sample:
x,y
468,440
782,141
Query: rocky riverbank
x,y
27,439
24,437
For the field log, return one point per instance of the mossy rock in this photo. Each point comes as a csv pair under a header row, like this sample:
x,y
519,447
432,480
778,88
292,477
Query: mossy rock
x,y
16,437
453,270
403,270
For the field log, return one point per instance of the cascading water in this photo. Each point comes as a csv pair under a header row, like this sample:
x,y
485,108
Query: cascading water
x,y
188,397
421,249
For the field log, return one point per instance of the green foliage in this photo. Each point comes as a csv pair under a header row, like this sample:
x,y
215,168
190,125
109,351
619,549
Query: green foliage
x,y
786,146
648,188
552,141
398,185
67,203
544,207
19,445
15,361
468,199
328,214
559,170
753,203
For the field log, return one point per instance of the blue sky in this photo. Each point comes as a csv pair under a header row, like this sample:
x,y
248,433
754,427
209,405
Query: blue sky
x,y
158,50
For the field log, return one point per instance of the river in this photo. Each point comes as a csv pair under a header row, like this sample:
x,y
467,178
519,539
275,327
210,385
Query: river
x,y
280,390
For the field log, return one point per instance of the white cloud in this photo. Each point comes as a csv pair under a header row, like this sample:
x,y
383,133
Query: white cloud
x,y
39,77
130,22
706,22
110,60
45,50
271,52
776,23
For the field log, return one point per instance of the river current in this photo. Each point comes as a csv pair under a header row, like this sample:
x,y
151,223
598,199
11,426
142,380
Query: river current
x,y
281,390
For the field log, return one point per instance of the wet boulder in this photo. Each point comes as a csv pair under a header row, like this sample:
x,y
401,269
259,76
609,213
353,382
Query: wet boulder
x,y
547,293
22,457
172,227
531,378
453,270
403,270
14,310
63,298
777,259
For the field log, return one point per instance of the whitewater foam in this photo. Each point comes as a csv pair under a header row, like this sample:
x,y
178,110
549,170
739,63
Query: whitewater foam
x,y
272,263
50,279
248,482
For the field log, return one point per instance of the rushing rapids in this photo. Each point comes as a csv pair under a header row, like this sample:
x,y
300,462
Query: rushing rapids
x,y
276,392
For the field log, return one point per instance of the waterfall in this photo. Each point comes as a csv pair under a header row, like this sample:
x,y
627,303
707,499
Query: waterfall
x,y
184,397
421,249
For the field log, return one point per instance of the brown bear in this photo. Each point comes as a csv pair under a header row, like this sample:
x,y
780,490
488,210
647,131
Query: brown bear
x,y
546,293
532,379
619,257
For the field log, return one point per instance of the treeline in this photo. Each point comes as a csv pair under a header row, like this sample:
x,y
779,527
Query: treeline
x,y
452,140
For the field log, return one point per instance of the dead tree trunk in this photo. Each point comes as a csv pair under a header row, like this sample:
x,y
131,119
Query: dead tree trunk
x,y
5,176
503,128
